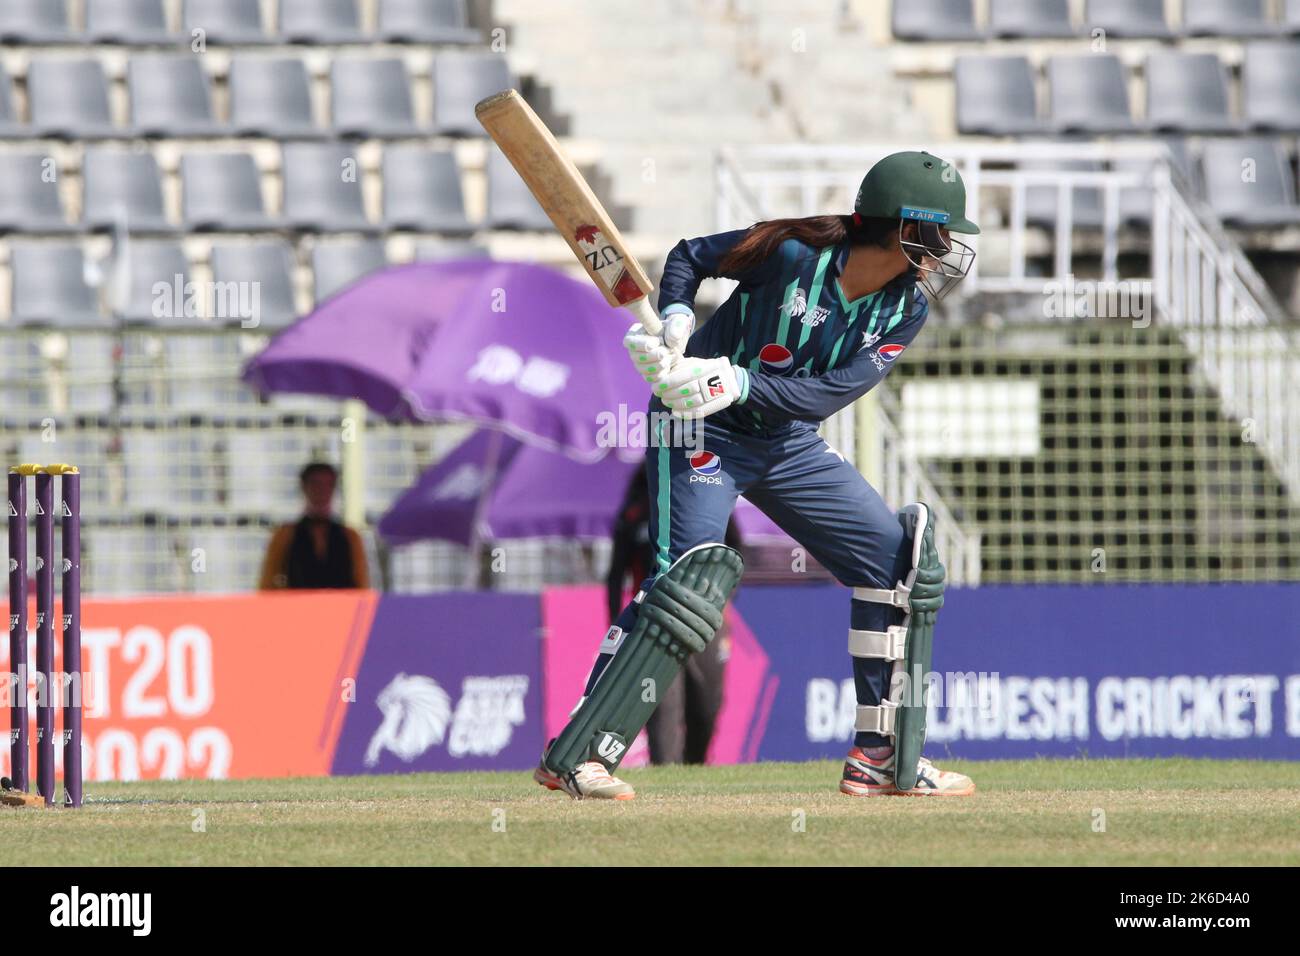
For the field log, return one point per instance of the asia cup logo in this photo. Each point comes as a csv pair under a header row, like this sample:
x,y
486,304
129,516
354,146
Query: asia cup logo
x,y
707,468
775,359
798,303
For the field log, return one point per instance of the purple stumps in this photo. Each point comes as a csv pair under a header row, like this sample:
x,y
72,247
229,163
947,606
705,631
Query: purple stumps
x,y
46,694
18,628
70,489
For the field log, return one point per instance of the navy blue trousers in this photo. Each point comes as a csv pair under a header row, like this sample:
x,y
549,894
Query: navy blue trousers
x,y
810,491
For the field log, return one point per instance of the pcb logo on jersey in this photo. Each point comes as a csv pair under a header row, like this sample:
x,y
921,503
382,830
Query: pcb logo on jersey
x,y
707,468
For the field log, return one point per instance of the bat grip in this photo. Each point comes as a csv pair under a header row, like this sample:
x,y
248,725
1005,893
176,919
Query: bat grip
x,y
645,314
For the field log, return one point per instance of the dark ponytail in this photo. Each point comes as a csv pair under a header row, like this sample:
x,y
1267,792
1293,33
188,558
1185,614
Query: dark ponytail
x,y
762,238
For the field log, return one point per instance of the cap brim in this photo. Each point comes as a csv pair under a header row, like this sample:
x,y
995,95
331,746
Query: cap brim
x,y
964,226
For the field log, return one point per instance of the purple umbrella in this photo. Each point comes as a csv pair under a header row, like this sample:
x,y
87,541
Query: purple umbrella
x,y
513,345
487,488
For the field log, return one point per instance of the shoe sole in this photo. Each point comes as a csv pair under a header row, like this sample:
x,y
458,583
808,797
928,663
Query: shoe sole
x,y
851,790
549,781
552,782
968,792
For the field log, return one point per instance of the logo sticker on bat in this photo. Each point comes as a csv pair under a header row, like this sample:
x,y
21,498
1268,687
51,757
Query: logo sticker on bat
x,y
605,263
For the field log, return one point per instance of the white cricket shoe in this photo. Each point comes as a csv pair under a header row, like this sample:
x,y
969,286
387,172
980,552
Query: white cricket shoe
x,y
871,777
590,779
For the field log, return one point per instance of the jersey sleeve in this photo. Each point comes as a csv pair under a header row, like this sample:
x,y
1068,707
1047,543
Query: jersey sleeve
x,y
814,399
692,261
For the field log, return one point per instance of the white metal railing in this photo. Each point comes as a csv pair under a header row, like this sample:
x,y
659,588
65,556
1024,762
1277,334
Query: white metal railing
x,y
1206,288
765,182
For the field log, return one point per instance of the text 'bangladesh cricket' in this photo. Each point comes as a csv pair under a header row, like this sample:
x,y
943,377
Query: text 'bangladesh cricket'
x,y
824,307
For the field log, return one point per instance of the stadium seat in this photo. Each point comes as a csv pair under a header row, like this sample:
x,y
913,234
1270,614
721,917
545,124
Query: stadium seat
x,y
336,265
510,205
10,126
322,188
34,21
460,80
148,264
1187,93
128,21
1266,199
233,22
69,99
264,266
1271,85
222,191
425,21
1038,19
122,188
995,96
422,191
271,97
935,20
170,96
29,194
320,21
371,98
1291,17
1088,94
1227,18
440,250
1138,19
49,286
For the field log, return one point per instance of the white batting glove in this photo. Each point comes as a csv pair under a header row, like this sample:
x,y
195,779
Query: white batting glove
x,y
679,323
648,353
695,388
654,355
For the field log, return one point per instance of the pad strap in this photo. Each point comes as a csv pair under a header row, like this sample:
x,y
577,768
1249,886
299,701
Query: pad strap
x,y
897,597
879,719
887,645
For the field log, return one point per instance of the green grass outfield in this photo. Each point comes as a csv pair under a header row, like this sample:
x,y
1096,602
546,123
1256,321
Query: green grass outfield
x,y
1186,812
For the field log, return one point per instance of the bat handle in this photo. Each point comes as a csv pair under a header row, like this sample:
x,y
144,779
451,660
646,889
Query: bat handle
x,y
645,314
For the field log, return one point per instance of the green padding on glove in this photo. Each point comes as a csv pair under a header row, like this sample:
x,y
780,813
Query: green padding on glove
x,y
679,617
924,602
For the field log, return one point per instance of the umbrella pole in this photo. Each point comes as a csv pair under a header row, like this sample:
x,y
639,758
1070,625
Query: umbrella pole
x,y
474,573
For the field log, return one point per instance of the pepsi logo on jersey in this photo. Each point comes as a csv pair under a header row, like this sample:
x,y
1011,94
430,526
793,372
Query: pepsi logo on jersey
x,y
706,468
775,359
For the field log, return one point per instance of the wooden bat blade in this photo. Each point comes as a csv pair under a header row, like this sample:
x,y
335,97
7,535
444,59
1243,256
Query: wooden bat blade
x,y
561,191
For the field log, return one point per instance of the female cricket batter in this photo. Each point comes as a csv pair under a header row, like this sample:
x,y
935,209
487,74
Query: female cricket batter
x,y
824,307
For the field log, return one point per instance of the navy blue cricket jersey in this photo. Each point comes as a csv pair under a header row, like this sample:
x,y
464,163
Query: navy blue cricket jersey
x,y
808,349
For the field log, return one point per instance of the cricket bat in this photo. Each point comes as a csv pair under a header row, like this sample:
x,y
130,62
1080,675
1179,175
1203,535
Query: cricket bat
x,y
565,196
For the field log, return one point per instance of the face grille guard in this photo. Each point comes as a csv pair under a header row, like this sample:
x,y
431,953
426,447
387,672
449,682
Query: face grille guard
x,y
940,261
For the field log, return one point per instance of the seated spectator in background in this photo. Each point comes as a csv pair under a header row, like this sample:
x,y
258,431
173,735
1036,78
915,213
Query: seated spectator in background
x,y
317,551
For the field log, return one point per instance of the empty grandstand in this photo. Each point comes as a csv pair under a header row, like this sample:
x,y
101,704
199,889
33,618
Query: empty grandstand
x,y
180,179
